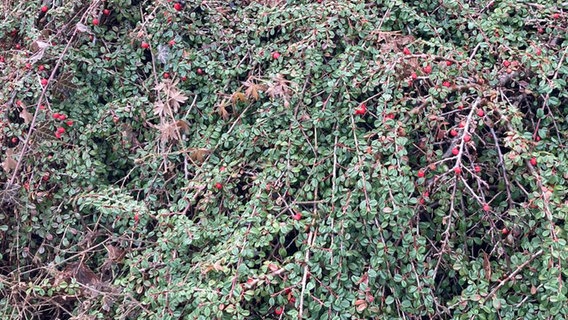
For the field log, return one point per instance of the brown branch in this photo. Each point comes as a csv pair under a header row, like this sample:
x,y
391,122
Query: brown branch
x,y
512,275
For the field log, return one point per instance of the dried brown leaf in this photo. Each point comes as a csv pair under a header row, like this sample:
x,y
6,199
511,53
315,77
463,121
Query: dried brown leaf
x,y
183,126
9,163
83,274
252,90
212,267
176,99
279,88
222,110
487,266
168,131
237,97
161,109
115,254
198,155
24,114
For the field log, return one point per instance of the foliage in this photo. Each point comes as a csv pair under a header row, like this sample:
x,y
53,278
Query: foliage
x,y
284,159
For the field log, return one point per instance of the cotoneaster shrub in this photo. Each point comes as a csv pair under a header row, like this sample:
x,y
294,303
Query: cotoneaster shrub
x,y
284,159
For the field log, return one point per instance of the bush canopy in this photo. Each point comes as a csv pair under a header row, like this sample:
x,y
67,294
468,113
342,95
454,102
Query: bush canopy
x,y
271,159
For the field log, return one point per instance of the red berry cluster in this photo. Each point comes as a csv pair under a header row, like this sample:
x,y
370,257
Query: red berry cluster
x,y
61,130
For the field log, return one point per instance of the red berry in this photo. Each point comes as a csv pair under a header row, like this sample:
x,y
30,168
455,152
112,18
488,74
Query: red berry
x,y
504,231
44,9
95,22
166,75
448,63
406,51
446,84
480,112
183,78
41,107
58,135
62,117
145,45
200,71
361,110
45,177
297,216
178,6
533,161
60,130
278,311
44,82
292,300
461,125
538,51
537,138
556,16
427,69
540,30
106,12
172,43
457,170
422,201
136,217
389,116
69,123
275,55
486,208
41,67
18,46
218,186
455,151
506,63
477,169
14,140
28,66
421,174
466,138
453,133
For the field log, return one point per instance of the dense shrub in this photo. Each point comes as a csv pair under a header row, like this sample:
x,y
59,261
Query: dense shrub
x,y
283,159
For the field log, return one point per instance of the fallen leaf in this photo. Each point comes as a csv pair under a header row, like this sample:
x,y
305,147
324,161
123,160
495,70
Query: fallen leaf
x,y
238,97
222,110
176,99
183,126
24,114
168,131
198,155
9,164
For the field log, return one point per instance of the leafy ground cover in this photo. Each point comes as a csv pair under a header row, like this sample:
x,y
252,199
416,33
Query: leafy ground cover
x,y
279,159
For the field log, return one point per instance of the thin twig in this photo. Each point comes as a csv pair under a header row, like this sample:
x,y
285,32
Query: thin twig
x,y
512,275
